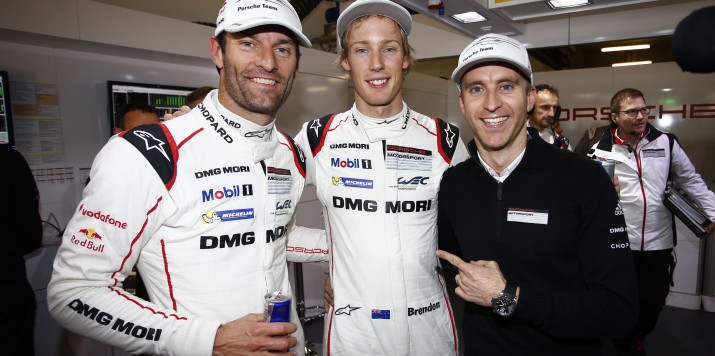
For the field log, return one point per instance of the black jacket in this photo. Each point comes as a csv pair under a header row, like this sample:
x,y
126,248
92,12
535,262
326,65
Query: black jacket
x,y
575,269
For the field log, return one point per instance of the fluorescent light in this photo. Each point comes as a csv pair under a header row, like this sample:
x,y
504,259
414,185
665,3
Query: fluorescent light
x,y
469,17
624,48
666,89
624,64
563,4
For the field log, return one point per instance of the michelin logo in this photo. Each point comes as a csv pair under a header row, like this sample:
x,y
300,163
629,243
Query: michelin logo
x,y
353,182
227,215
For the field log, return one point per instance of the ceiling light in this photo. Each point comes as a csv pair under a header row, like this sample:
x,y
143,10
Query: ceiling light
x,y
625,48
563,4
469,17
666,89
624,64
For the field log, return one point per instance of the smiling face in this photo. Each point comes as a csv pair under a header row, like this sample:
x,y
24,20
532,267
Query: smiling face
x,y
258,68
495,99
376,61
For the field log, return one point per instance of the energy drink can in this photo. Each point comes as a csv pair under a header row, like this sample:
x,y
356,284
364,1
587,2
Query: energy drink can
x,y
609,166
277,308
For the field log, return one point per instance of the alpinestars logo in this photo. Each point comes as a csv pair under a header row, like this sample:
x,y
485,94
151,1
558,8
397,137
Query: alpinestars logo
x,y
449,135
315,126
152,143
346,310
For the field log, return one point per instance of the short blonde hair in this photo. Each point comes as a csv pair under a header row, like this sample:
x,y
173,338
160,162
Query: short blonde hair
x,y
343,53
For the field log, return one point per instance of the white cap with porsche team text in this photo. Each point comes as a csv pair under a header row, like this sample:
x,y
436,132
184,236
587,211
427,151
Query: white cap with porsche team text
x,y
361,8
242,15
493,48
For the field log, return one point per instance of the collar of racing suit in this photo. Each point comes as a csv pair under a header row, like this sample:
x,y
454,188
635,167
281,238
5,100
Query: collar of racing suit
x,y
382,128
263,138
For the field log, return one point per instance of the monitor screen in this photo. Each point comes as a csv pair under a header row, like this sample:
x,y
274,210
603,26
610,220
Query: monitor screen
x,y
165,98
6,129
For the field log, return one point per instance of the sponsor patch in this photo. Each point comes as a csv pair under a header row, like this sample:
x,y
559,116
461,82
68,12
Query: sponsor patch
x,y
352,163
279,180
283,208
653,153
411,183
88,238
226,192
105,218
408,158
227,215
346,310
351,145
529,216
352,182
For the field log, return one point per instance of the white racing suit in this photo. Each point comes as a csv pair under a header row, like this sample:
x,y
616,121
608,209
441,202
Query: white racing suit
x,y
643,172
203,211
380,211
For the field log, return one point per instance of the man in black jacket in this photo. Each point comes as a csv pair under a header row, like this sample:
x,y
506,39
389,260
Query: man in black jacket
x,y
21,233
548,273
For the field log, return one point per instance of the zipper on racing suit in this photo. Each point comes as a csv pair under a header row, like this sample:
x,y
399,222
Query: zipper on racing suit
x,y
499,194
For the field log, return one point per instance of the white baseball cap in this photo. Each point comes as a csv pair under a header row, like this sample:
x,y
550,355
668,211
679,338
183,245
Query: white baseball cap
x,y
493,48
361,8
241,15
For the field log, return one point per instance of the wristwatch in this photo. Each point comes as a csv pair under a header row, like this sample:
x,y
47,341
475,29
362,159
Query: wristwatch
x,y
505,303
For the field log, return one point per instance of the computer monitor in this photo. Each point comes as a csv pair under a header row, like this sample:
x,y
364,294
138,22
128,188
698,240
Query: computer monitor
x,y
6,128
165,98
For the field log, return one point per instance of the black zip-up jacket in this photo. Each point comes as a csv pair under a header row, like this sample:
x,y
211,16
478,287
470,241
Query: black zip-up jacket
x,y
555,228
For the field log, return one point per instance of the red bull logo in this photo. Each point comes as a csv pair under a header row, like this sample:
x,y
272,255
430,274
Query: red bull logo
x,y
92,240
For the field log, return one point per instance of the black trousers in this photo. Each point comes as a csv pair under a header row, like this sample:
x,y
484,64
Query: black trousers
x,y
653,270
17,319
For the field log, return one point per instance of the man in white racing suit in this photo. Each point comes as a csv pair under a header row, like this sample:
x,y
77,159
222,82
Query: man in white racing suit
x,y
645,160
202,205
377,169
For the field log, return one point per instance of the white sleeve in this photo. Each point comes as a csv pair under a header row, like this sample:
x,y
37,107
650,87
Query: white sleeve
x,y
306,244
683,172
122,207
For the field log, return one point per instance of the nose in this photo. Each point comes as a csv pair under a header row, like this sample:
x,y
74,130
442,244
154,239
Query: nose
x,y
492,102
376,61
267,59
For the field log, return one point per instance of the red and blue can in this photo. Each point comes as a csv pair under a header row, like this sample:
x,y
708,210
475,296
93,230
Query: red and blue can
x,y
277,308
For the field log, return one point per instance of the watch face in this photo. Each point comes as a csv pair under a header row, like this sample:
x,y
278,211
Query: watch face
x,y
503,305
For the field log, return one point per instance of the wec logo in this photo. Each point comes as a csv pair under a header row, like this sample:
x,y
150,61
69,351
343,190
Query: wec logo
x,y
419,180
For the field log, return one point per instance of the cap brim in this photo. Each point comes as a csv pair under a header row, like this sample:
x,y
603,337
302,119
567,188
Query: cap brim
x,y
359,9
302,39
463,68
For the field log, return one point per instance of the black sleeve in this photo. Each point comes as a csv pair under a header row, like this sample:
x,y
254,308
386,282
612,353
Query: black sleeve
x,y
25,227
446,240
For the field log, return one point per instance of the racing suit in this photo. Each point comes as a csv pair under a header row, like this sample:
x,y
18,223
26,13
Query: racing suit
x,y
378,186
643,172
204,212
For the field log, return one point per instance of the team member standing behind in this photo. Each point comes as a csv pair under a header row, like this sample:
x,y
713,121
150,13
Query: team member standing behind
x,y
132,115
546,110
194,202
21,233
377,168
646,159
549,274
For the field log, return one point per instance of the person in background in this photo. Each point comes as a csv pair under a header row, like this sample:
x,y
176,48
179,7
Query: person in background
x,y
589,138
21,233
377,167
203,205
646,160
545,115
134,114
547,274
197,95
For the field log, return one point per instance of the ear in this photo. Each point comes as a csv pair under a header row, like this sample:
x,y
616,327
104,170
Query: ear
x,y
405,62
216,54
613,117
531,96
345,64
461,104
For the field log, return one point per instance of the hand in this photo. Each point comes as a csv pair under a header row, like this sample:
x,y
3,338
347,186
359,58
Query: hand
x,y
328,294
250,335
182,110
478,281
617,186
